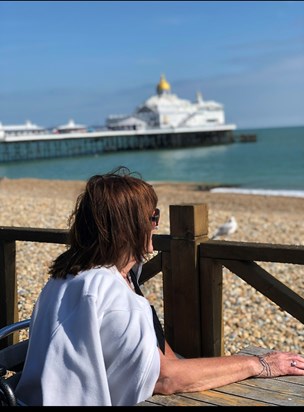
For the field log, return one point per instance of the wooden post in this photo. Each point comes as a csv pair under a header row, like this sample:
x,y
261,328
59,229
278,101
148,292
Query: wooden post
x,y
182,306
8,289
167,297
211,292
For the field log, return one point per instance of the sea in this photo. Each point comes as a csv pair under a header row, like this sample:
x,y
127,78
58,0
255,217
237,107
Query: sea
x,y
274,164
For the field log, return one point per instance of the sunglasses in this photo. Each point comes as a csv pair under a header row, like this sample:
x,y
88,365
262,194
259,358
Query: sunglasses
x,y
155,217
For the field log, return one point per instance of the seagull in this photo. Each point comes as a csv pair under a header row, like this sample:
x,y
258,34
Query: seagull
x,y
226,229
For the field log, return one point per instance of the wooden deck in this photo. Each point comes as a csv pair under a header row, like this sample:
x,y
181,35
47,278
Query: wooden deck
x,y
282,391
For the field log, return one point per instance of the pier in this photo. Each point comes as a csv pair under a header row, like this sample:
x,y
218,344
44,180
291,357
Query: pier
x,y
163,121
245,138
95,143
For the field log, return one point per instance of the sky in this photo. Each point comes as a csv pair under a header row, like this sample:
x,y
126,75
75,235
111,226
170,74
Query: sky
x,y
85,60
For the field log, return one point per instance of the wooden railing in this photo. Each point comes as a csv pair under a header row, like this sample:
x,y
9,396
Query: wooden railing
x,y
192,268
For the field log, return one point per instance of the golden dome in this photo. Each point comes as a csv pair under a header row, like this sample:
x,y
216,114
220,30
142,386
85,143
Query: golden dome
x,y
163,85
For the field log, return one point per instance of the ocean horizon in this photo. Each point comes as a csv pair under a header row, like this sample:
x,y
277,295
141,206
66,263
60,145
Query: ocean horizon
x,y
273,165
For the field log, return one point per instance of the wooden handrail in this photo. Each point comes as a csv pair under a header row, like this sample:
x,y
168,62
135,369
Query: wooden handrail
x,y
30,234
263,252
60,236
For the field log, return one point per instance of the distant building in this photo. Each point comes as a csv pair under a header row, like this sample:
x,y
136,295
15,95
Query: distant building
x,y
125,123
70,127
165,110
28,128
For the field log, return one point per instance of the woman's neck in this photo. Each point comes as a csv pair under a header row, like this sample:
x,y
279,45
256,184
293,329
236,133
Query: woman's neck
x,y
125,273
126,269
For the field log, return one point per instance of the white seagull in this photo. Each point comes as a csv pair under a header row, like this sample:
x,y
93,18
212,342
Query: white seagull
x,y
227,228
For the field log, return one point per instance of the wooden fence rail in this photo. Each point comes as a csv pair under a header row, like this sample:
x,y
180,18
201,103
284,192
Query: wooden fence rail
x,y
192,268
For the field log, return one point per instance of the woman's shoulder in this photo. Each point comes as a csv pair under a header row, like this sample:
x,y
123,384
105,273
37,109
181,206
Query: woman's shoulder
x,y
98,278
103,281
110,290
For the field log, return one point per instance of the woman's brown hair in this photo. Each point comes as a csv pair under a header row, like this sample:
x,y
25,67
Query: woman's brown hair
x,y
110,223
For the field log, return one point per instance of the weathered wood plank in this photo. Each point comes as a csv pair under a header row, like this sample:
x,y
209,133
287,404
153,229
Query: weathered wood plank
x,y
60,236
262,252
270,395
221,398
161,242
282,386
188,229
176,400
168,298
148,403
34,234
8,289
185,312
189,221
211,292
151,268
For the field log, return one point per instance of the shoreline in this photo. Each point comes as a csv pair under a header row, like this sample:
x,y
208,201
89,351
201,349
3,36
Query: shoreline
x,y
249,318
38,184
190,185
266,192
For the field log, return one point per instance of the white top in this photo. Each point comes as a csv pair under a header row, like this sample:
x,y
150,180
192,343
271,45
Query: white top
x,y
92,343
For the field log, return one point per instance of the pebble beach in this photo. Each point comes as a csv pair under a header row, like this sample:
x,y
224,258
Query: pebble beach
x,y
249,317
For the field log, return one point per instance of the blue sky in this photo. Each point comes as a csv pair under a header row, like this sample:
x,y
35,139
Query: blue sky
x,y
88,59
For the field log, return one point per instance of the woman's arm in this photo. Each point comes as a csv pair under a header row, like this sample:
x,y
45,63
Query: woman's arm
x,y
191,375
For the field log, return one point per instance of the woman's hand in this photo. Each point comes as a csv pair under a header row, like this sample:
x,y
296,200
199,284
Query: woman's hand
x,y
280,363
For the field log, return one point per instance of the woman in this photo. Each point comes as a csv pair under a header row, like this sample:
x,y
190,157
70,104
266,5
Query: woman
x,y
94,341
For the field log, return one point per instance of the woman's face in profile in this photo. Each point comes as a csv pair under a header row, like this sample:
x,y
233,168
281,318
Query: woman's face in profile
x,y
155,222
